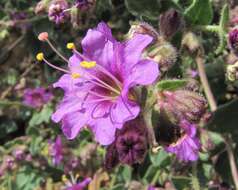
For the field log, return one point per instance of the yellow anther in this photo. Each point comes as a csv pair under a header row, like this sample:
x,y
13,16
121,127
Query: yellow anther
x,y
64,178
77,176
75,75
40,57
70,46
88,64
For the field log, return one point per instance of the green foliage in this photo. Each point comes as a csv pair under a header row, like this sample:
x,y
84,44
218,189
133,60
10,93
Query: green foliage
x,y
144,8
224,21
42,116
160,159
173,84
199,12
28,178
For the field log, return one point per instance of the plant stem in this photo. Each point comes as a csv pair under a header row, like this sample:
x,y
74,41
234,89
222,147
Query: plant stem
x,y
208,28
232,162
204,81
195,181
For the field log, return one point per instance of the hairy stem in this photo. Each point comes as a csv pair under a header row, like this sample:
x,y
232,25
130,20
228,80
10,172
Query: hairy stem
x,y
195,181
232,161
204,81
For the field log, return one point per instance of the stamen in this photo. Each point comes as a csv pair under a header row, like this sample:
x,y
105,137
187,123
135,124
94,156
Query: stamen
x,y
98,100
102,69
75,75
40,56
80,55
43,36
70,45
56,51
88,64
55,67
104,84
98,95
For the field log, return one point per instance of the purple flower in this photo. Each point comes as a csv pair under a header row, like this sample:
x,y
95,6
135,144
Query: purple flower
x,y
57,11
36,97
56,151
233,40
187,146
99,88
79,186
151,188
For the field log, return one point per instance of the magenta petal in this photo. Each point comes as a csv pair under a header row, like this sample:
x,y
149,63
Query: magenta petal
x,y
145,72
68,105
133,50
104,131
124,110
66,83
103,28
72,123
101,110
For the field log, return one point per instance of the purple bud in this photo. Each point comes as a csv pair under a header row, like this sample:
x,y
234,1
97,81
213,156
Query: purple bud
x,y
132,142
56,151
181,104
170,22
233,40
84,4
9,162
19,154
111,158
130,145
57,11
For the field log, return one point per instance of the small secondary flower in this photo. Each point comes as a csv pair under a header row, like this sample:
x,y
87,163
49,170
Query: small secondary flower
x,y
36,97
56,151
187,147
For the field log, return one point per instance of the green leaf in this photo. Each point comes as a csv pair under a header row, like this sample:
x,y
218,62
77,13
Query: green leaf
x,y
127,173
42,116
27,178
7,126
199,12
171,84
225,118
160,158
147,8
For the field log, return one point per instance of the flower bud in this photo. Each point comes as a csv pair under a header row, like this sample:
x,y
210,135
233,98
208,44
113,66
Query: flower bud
x,y
132,142
164,54
181,104
57,11
130,145
111,158
191,42
41,6
170,22
232,72
234,16
142,28
233,40
84,4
